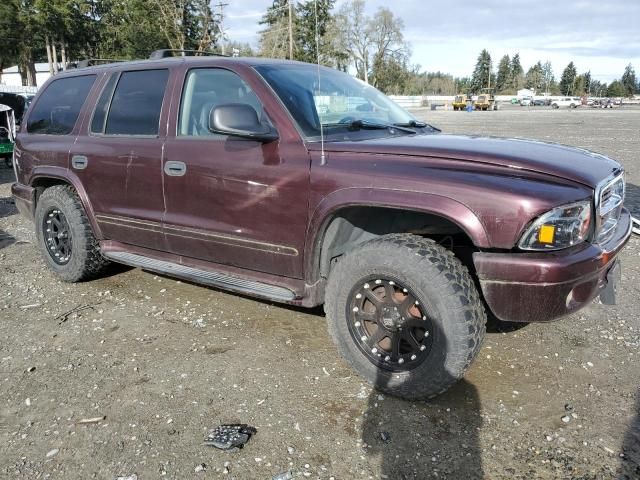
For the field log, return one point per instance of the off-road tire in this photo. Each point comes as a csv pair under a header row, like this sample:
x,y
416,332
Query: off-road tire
x,y
86,261
443,286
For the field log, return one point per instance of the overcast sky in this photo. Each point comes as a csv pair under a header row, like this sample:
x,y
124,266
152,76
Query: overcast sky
x,y
602,36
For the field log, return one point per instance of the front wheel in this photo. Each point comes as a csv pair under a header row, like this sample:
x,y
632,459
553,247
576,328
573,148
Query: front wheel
x,y
405,313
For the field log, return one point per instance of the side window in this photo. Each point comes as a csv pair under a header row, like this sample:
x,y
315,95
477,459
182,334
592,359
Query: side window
x,y
59,105
99,120
136,104
206,88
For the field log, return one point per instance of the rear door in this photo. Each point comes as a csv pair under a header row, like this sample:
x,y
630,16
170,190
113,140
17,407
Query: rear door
x,y
119,157
51,125
230,200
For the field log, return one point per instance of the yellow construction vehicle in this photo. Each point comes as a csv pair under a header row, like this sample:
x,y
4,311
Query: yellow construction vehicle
x,y
460,102
486,100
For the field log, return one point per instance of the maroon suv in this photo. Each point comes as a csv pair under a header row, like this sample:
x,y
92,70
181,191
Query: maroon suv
x,y
306,186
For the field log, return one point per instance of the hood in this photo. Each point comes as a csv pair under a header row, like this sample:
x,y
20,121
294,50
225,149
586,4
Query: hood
x,y
561,161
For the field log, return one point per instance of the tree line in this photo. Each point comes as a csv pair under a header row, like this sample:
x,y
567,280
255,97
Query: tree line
x,y
511,77
371,46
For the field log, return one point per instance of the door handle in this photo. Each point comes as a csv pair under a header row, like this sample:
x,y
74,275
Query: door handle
x,y
79,162
174,168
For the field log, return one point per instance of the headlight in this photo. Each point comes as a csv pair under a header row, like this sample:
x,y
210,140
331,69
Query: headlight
x,y
561,227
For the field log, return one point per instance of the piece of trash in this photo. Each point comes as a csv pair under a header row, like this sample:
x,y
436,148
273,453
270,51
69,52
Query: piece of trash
x,y
230,437
53,452
27,402
200,468
325,372
385,437
33,305
85,421
566,418
283,476
128,477
31,369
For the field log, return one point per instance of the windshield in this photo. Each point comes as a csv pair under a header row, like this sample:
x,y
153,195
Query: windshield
x,y
336,101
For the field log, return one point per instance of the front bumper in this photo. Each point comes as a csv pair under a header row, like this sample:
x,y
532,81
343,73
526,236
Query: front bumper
x,y
23,196
539,287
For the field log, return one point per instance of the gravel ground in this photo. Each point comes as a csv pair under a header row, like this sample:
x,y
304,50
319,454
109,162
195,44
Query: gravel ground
x,y
164,361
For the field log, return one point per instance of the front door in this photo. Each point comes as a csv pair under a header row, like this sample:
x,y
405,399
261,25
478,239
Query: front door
x,y
120,160
229,200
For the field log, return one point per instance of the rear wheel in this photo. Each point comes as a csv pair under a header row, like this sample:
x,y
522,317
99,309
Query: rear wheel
x,y
65,237
405,313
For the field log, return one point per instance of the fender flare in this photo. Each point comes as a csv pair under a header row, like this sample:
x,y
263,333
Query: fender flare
x,y
67,176
325,211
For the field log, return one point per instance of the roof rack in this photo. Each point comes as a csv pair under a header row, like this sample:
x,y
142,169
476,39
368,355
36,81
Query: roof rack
x,y
170,52
94,61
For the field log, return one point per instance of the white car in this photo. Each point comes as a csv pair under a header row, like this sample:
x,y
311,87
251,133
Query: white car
x,y
571,102
526,101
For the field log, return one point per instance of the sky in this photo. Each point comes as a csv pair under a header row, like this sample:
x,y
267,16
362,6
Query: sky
x,y
447,35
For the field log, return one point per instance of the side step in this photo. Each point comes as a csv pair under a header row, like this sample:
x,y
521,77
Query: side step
x,y
195,275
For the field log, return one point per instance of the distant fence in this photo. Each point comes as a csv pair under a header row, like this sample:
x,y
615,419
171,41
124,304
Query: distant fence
x,y
17,89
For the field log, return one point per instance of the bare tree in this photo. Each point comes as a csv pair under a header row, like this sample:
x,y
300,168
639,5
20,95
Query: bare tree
x,y
355,36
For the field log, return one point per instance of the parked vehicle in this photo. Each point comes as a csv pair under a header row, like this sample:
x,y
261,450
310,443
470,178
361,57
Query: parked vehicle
x,y
460,102
486,101
541,102
223,171
7,133
526,102
19,102
570,102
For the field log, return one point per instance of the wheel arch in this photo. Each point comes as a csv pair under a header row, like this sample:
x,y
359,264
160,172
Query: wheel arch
x,y
400,209
47,177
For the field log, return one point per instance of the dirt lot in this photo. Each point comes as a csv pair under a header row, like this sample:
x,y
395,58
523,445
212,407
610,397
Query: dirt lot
x,y
165,361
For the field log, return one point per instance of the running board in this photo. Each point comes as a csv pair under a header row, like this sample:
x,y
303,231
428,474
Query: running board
x,y
195,275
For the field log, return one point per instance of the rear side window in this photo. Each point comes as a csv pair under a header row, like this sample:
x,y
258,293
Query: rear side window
x,y
136,104
99,119
58,107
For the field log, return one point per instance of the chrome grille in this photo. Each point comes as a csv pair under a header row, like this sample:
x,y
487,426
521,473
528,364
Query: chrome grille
x,y
609,198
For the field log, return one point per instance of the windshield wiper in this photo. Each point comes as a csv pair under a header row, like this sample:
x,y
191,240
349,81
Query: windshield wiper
x,y
417,124
361,124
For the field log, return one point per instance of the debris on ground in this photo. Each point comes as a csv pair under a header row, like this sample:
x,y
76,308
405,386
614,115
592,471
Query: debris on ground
x,y
230,437
86,421
283,476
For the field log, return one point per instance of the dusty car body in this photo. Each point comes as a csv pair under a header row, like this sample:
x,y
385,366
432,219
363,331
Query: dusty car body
x,y
267,199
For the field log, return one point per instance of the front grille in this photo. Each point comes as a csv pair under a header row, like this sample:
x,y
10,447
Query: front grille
x,y
610,198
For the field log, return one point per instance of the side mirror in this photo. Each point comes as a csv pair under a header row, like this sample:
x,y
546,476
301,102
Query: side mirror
x,y
240,120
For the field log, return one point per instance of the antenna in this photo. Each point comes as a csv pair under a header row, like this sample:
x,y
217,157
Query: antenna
x,y
323,159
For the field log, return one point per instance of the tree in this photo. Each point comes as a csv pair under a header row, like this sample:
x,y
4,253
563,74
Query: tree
x,y
277,40
616,89
354,36
314,19
482,72
9,33
547,75
503,78
534,79
388,47
517,73
629,81
567,82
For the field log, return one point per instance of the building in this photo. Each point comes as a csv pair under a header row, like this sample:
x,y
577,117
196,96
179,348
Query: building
x,y
526,93
11,76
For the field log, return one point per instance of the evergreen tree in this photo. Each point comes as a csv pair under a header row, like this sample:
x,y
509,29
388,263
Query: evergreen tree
x,y
312,15
482,72
517,73
503,79
534,79
629,81
567,82
616,89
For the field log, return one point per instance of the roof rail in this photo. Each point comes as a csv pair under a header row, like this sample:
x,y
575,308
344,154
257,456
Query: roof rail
x,y
94,61
170,52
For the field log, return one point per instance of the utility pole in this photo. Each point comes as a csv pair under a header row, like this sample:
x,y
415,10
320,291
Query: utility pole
x,y
290,29
221,17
